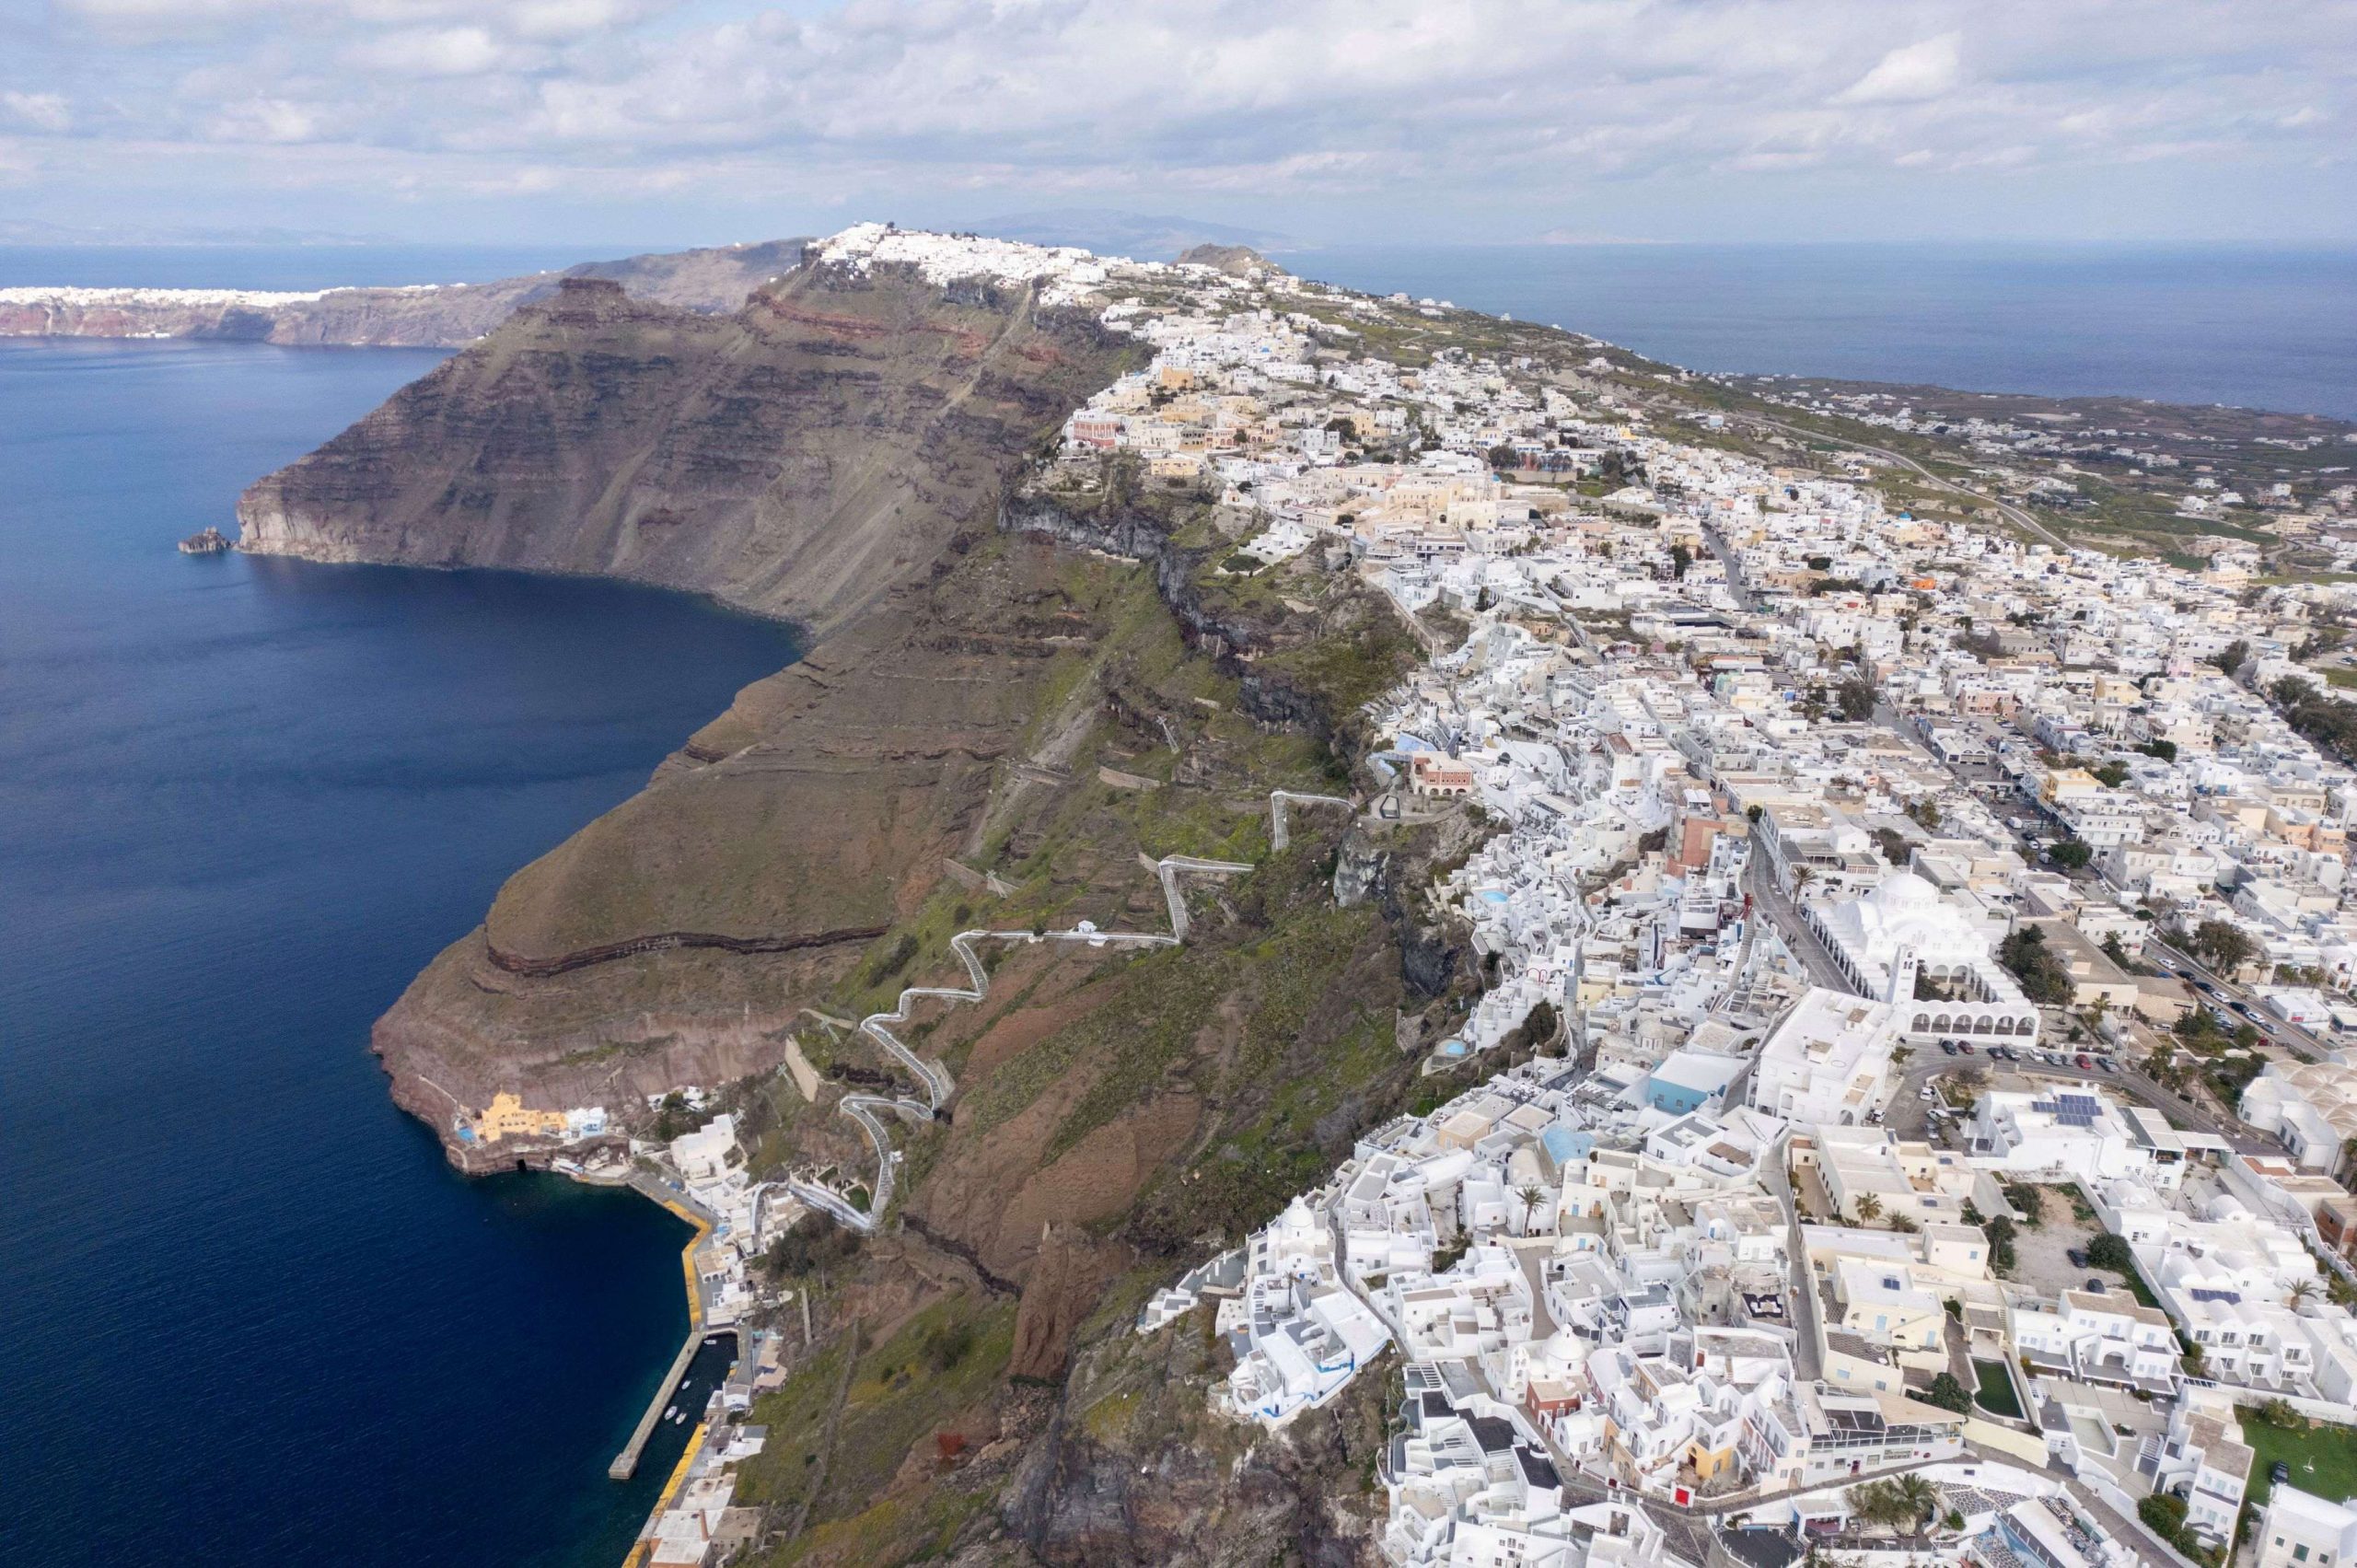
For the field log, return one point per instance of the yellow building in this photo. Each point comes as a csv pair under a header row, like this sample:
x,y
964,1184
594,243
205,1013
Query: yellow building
x,y
507,1117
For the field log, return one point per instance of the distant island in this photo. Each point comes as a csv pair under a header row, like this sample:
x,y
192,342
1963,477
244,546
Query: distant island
x,y
423,315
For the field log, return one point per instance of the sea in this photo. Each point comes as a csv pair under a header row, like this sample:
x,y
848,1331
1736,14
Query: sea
x,y
248,1315
2255,327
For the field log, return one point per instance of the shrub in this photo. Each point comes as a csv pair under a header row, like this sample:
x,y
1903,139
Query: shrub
x,y
2109,1251
1948,1394
2164,1513
945,1344
808,1247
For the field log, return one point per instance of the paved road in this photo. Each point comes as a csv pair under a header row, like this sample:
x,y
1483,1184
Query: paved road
x,y
1807,1366
1743,598
1768,899
2276,1029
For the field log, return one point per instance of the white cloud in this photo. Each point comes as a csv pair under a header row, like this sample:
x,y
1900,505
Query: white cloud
x,y
1401,106
42,111
1911,74
428,51
267,120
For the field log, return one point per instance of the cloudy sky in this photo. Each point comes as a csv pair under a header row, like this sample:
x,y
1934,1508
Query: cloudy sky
x,y
680,120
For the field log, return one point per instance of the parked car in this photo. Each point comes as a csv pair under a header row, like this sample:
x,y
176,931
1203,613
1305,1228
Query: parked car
x,y
1924,1093
1947,1046
2280,1473
2078,1257
2086,1065
1964,1045
2103,1063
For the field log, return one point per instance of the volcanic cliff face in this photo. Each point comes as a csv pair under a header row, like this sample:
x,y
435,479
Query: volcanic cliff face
x,y
797,457
426,316
1021,692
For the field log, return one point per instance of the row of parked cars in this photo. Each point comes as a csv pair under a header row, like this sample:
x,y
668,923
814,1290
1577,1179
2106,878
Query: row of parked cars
x,y
2228,1010
2084,1061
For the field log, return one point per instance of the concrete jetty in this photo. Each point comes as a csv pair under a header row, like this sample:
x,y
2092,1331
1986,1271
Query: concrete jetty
x,y
625,1463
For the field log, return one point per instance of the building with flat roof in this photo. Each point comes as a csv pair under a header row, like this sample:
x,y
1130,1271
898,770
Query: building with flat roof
x,y
2077,1131
2299,1529
1829,1061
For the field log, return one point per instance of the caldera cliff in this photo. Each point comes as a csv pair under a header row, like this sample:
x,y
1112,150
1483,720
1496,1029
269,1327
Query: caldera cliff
x,y
1016,691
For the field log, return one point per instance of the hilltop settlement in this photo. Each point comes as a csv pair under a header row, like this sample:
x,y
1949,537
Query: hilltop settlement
x,y
1902,1104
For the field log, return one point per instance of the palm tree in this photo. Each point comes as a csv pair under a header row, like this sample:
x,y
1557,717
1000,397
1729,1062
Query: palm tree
x,y
1915,1498
2300,1294
1869,1207
1530,1195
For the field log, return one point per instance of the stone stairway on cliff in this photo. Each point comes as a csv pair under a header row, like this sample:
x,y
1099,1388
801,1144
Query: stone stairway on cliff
x,y
867,1110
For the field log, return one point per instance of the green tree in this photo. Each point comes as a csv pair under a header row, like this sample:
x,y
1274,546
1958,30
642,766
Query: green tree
x,y
2111,1251
1999,1230
1681,558
2070,854
2165,750
2164,1513
2223,943
2111,776
1869,1206
2027,957
1916,1495
1531,1194
1948,1394
2236,654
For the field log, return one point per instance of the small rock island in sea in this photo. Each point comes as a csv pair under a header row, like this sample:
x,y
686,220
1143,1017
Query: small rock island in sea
x,y
211,541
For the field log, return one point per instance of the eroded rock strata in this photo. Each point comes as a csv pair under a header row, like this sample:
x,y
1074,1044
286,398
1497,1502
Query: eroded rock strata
x,y
844,451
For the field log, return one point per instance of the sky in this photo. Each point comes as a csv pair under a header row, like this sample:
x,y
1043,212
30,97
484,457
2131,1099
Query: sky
x,y
1333,122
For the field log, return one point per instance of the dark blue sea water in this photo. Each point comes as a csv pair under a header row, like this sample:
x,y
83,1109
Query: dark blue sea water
x,y
2219,324
246,1314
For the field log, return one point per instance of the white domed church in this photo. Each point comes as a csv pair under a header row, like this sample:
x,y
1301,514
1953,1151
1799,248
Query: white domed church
x,y
1905,945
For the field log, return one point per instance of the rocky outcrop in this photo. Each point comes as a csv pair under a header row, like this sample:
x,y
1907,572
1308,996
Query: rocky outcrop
x,y
799,457
1133,1469
422,316
1119,527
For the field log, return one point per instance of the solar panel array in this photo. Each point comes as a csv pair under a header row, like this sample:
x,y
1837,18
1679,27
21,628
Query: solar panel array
x,y
2077,1110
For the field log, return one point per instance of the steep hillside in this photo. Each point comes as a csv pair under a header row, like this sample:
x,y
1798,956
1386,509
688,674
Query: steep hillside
x,y
1020,694
797,457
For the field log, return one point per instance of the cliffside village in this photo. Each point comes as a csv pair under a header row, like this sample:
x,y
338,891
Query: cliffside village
x,y
1907,1107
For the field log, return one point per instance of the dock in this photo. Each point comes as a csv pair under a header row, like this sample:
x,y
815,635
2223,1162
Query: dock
x,y
625,1463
